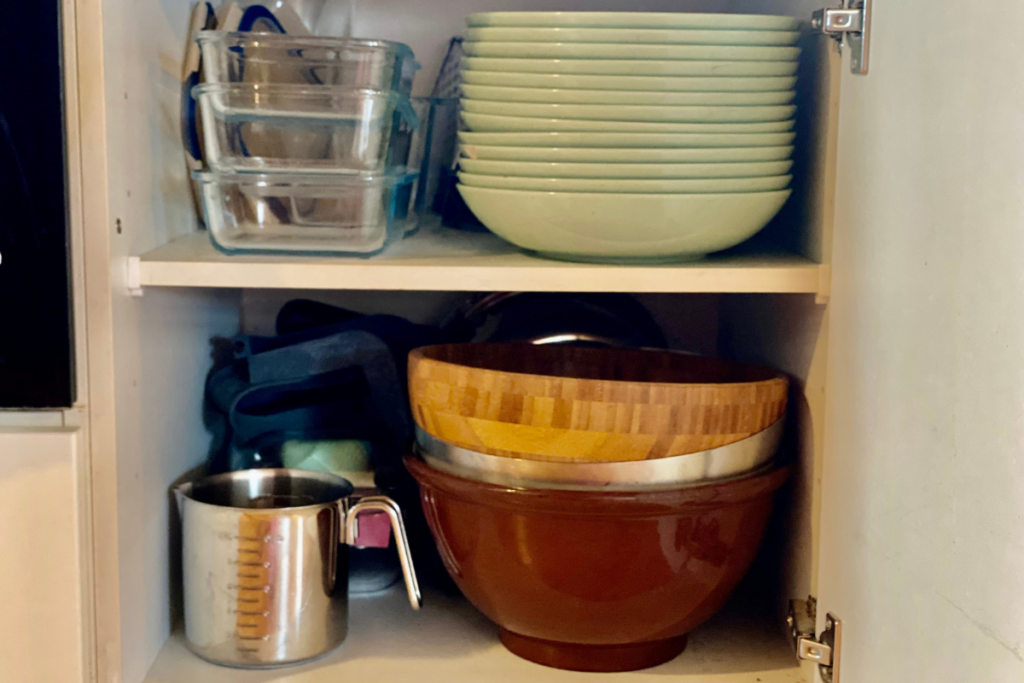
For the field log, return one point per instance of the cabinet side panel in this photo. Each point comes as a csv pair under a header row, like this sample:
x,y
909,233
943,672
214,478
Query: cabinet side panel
x,y
161,361
160,342
790,333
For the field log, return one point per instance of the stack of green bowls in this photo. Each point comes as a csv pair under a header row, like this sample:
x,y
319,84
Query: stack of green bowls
x,y
627,136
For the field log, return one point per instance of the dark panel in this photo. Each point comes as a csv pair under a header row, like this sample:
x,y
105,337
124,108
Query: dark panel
x,y
35,314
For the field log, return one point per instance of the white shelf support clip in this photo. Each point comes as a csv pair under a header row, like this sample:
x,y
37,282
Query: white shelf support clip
x,y
824,284
133,276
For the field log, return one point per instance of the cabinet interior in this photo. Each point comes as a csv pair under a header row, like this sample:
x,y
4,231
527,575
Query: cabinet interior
x,y
162,355
745,640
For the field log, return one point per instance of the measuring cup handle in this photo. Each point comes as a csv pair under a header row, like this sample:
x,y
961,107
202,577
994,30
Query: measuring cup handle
x,y
394,513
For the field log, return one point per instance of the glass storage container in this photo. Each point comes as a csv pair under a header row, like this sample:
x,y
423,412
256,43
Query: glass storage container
x,y
294,128
233,57
311,214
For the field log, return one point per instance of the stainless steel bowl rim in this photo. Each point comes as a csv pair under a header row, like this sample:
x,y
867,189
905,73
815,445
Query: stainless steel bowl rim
x,y
740,458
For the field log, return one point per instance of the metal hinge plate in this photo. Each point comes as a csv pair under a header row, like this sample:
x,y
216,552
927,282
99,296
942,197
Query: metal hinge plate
x,y
824,650
850,24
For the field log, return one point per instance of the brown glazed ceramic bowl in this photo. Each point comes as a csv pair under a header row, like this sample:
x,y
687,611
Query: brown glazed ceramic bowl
x,y
594,580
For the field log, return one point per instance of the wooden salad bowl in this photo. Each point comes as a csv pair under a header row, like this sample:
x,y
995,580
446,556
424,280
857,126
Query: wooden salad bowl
x,y
565,403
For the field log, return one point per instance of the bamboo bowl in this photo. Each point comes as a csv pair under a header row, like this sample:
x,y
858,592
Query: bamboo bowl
x,y
562,403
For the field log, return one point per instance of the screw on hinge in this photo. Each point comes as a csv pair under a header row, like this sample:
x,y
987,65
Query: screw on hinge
x,y
117,225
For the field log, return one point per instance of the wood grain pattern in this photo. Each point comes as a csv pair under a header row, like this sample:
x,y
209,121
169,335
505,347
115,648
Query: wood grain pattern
x,y
573,403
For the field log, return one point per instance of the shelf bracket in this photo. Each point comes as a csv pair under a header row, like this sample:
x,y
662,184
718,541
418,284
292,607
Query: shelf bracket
x,y
133,276
824,292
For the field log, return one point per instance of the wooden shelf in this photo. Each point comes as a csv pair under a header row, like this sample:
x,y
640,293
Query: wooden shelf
x,y
449,641
447,260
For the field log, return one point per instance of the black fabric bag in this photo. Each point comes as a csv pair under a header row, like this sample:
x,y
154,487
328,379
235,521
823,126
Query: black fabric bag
x,y
332,374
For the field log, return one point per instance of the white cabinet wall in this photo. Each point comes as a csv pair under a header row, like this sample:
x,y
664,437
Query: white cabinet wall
x,y
43,577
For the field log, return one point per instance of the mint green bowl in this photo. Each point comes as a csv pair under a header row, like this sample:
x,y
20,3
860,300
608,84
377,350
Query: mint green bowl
x,y
632,67
629,97
497,123
628,157
663,20
628,185
644,83
733,53
540,169
630,35
622,227
636,113
627,147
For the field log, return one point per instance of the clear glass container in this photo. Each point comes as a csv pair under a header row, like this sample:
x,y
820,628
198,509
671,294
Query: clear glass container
x,y
295,128
250,57
307,214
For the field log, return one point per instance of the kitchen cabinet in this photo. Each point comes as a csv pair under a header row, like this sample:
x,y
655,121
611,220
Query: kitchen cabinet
x,y
888,290
44,573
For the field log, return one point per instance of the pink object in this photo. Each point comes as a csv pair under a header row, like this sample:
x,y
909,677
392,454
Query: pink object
x,y
374,530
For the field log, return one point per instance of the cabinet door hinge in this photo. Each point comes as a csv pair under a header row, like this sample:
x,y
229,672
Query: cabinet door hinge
x,y
823,650
850,24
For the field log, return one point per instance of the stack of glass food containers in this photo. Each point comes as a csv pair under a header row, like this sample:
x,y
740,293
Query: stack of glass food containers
x,y
307,139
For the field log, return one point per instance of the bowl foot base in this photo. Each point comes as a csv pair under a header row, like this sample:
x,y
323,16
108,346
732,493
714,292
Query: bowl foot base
x,y
602,658
620,260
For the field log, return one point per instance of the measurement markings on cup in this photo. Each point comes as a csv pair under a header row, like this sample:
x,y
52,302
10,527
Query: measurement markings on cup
x,y
255,543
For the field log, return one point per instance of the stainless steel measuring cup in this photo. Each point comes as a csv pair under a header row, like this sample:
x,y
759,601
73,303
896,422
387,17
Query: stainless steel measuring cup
x,y
265,563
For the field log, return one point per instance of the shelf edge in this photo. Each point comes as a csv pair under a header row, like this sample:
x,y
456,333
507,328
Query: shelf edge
x,y
784,279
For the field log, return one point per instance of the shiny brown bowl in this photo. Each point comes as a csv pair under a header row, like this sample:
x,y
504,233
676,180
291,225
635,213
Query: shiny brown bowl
x,y
596,581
